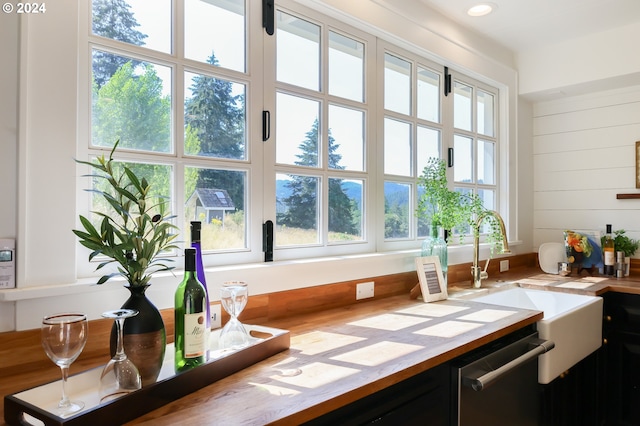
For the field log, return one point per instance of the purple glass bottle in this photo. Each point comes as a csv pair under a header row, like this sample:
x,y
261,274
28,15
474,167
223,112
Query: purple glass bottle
x,y
195,243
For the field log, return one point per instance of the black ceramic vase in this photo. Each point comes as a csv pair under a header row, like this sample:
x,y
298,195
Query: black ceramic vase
x,y
144,335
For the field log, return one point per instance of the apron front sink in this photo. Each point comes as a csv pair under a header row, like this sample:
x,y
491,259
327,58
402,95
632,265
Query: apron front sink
x,y
572,321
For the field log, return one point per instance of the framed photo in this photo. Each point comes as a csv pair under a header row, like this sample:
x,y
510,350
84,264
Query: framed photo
x,y
638,164
432,283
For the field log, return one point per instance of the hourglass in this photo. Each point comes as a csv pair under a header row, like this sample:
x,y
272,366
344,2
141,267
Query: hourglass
x,y
233,296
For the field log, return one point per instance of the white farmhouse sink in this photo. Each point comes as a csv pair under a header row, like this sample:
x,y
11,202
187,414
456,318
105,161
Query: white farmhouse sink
x,y
572,321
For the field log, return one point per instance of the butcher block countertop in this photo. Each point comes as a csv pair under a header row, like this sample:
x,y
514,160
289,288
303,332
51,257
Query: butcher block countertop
x,y
339,356
336,357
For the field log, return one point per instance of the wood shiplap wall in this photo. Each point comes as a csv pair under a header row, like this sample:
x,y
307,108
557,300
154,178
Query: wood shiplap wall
x,y
584,154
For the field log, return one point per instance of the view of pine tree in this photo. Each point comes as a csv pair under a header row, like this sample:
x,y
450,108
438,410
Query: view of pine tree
x,y
130,107
114,20
192,144
217,115
396,224
396,212
302,203
217,118
340,209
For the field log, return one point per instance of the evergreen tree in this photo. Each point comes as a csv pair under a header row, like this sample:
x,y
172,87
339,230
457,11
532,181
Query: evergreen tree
x,y
113,19
396,211
217,118
341,207
341,216
192,144
217,115
302,203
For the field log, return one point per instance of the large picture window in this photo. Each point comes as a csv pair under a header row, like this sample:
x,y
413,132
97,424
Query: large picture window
x,y
320,128
421,121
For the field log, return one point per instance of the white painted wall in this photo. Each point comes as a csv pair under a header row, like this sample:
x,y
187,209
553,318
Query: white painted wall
x,y
8,142
583,155
583,65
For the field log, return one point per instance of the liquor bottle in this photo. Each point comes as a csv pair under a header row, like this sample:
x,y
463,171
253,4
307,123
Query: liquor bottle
x,y
189,317
608,253
195,243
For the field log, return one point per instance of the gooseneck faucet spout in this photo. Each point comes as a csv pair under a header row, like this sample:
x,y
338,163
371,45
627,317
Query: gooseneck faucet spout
x,y
478,274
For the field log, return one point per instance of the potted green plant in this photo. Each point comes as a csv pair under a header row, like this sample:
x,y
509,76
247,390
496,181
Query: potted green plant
x,y
629,246
133,232
622,242
439,205
445,210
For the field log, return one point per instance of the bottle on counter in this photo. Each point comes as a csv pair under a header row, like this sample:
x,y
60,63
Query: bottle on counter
x,y
196,228
189,317
620,265
608,253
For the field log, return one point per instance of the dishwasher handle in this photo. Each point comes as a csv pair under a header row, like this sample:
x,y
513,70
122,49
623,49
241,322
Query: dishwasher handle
x,y
539,347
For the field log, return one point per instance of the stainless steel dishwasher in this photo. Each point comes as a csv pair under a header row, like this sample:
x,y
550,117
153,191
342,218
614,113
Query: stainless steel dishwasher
x,y
498,383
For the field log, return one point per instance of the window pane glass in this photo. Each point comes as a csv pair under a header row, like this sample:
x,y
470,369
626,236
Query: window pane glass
x,y
214,117
346,67
138,22
215,32
298,52
424,224
345,209
396,210
217,199
397,84
296,210
462,159
397,147
346,138
297,130
488,197
485,113
132,105
462,106
463,229
428,146
486,163
428,95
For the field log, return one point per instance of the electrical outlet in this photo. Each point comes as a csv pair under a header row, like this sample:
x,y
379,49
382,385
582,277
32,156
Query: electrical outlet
x,y
216,321
364,290
504,265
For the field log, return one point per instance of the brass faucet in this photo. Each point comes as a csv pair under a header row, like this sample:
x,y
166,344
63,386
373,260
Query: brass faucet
x,y
478,274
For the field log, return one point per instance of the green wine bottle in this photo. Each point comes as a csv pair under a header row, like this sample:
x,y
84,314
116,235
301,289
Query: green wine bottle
x,y
189,315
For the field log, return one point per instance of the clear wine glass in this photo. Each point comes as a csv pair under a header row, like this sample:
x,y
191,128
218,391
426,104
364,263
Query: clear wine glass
x,y
233,296
120,376
63,338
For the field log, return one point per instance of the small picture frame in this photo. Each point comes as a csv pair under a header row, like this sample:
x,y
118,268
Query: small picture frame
x,y
638,164
432,283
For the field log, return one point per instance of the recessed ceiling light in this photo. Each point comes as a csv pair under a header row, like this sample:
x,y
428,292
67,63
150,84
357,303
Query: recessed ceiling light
x,y
481,9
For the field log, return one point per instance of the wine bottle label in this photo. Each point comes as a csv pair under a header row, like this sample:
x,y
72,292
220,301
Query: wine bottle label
x,y
609,257
194,335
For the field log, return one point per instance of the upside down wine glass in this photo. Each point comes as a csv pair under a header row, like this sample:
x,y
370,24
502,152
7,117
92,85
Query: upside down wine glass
x,y
63,338
233,296
120,376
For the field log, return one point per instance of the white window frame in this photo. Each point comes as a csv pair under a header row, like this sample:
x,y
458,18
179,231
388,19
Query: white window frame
x,y
272,86
253,81
261,90
447,131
